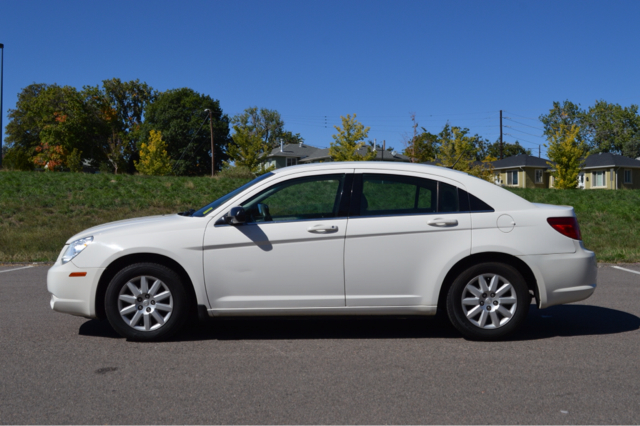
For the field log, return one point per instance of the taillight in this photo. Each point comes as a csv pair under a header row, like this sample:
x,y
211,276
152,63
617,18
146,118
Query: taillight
x,y
567,226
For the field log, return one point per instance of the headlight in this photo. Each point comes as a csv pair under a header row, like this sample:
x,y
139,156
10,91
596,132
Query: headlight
x,y
75,248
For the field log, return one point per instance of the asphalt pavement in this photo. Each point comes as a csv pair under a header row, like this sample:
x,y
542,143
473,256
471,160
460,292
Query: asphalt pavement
x,y
577,363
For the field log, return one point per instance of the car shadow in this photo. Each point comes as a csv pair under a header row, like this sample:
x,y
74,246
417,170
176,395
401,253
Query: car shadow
x,y
557,321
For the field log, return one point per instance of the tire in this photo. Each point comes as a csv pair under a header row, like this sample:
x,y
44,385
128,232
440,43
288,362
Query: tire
x,y
146,302
489,301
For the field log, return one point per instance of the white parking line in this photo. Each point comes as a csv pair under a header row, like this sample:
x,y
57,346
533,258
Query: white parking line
x,y
628,270
16,269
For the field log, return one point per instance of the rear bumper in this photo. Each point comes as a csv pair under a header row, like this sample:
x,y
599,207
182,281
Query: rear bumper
x,y
564,278
73,295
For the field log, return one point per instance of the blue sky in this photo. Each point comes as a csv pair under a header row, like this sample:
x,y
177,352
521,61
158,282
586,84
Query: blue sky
x,y
313,61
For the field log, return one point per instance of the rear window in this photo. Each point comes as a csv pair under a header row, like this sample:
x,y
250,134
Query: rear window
x,y
471,203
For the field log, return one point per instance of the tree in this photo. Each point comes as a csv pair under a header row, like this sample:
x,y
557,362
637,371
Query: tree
x,y
604,127
100,123
52,115
460,152
421,147
349,139
563,116
179,114
248,150
613,128
266,124
50,157
16,158
508,149
125,103
424,147
23,128
289,138
568,154
154,160
74,161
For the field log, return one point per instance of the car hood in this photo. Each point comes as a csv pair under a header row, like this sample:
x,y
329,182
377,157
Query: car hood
x,y
139,225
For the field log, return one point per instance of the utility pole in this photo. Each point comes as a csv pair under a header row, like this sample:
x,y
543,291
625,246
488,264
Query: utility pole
x,y
213,170
1,94
538,151
384,147
501,134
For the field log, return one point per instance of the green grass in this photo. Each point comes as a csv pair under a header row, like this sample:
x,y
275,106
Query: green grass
x,y
609,220
40,211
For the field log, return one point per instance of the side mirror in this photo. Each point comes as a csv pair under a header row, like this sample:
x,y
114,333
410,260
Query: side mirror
x,y
236,216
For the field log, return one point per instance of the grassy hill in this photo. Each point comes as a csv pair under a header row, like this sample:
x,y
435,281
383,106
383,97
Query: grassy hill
x,y
40,211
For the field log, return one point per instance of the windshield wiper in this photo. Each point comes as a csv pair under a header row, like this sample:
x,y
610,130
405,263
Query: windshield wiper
x,y
189,212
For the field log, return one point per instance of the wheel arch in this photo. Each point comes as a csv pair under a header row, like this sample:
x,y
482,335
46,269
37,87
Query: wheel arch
x,y
486,257
131,259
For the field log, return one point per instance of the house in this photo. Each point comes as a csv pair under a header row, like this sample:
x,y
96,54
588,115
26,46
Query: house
x,y
292,154
288,155
522,171
610,171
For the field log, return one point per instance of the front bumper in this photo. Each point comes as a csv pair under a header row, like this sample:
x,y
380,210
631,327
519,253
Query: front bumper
x,y
73,295
564,278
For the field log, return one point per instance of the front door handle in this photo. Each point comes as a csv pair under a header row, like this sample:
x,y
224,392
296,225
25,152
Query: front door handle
x,y
322,229
442,223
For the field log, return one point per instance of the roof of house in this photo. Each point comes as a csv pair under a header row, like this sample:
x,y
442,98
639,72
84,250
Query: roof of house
x,y
318,154
607,159
521,160
293,150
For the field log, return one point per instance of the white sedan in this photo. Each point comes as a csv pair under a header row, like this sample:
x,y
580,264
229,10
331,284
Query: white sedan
x,y
362,238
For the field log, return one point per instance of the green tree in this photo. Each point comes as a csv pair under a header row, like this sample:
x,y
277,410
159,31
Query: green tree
x,y
459,151
23,128
266,124
568,154
613,128
508,149
54,116
127,102
604,127
423,147
248,150
154,160
289,138
102,123
74,161
563,116
349,139
16,158
180,115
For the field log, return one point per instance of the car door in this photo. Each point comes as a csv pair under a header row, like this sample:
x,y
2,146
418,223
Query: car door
x,y
289,253
405,231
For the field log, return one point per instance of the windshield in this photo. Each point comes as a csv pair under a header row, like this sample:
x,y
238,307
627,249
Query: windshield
x,y
214,205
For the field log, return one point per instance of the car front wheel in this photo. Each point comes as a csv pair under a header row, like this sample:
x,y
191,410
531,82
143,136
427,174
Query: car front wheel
x,y
488,301
146,302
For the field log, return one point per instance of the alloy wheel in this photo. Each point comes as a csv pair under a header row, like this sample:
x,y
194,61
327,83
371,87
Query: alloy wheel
x,y
145,303
489,301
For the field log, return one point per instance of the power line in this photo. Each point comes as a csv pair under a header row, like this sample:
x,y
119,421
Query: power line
x,y
533,127
513,128
518,139
522,116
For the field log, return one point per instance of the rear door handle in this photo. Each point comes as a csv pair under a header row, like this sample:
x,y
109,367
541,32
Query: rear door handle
x,y
322,229
442,223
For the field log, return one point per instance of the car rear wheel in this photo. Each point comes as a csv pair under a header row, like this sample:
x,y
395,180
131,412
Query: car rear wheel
x,y
488,301
146,302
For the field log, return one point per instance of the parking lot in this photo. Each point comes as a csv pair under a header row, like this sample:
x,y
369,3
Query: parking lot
x,y
576,363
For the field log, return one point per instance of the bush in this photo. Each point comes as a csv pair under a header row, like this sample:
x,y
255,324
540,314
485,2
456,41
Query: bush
x,y
233,172
17,159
